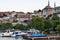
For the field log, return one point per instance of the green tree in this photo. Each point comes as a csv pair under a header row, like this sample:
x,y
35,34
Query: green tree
x,y
55,17
58,27
56,21
48,24
19,26
6,25
37,23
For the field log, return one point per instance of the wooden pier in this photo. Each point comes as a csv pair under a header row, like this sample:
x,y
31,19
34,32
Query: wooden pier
x,y
45,38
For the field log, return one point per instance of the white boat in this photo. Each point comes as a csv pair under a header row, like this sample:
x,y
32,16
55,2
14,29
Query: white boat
x,y
18,33
6,34
12,34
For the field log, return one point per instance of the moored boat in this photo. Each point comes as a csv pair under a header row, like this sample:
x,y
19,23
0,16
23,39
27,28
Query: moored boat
x,y
6,34
19,33
33,33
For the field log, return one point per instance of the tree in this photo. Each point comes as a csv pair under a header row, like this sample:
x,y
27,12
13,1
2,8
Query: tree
x,y
6,25
37,23
56,21
58,27
9,25
19,26
48,24
55,17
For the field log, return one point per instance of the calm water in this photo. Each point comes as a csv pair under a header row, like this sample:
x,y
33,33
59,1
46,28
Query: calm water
x,y
20,38
11,38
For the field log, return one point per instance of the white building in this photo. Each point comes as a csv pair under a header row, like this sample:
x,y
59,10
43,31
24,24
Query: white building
x,y
57,9
48,10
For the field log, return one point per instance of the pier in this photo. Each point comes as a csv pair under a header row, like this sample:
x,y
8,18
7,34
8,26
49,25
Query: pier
x,y
45,38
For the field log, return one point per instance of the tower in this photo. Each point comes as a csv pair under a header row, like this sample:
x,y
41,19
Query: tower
x,y
48,3
49,8
54,4
54,7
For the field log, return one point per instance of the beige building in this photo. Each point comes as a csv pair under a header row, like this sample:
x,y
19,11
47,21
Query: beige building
x,y
37,13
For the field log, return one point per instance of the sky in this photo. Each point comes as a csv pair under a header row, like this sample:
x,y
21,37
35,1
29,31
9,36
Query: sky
x,y
25,5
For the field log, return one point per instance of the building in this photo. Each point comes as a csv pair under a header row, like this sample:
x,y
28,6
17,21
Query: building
x,y
11,16
57,9
48,10
36,13
21,16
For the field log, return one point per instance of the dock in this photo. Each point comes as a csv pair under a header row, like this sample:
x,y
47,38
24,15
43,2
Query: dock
x,y
45,38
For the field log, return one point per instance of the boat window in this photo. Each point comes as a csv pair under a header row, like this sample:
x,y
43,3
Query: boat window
x,y
16,32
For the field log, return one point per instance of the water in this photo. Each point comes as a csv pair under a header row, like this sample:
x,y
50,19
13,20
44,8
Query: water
x,y
20,38
11,38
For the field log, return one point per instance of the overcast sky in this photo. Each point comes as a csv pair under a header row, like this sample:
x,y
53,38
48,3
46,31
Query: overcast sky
x,y
25,5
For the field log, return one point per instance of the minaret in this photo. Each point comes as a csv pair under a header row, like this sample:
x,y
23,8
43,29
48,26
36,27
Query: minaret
x,y
48,3
54,4
49,10
54,7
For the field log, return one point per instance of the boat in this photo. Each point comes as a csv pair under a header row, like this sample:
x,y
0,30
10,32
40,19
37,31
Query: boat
x,y
6,34
12,34
37,35
18,33
33,33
